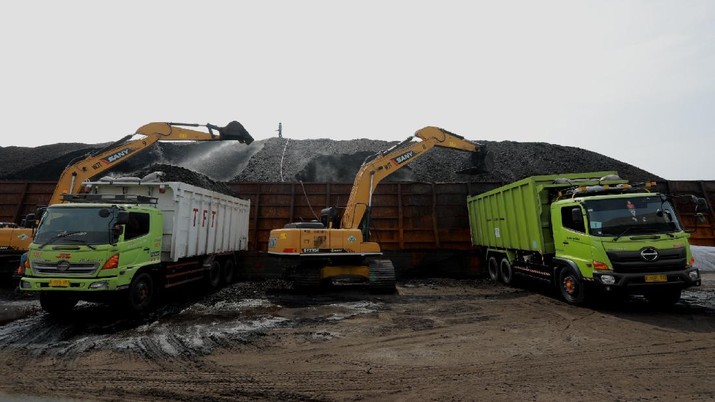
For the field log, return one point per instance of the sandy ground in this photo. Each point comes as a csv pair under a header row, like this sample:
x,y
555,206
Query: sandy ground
x,y
438,339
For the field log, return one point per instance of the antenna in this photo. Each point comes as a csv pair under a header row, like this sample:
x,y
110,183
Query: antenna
x,y
280,130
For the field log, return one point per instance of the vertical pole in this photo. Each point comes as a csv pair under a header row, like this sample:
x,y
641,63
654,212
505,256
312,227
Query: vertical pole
x,y
292,203
255,217
400,224
434,216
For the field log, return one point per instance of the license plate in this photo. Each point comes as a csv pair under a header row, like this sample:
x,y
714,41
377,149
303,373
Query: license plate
x,y
59,283
656,278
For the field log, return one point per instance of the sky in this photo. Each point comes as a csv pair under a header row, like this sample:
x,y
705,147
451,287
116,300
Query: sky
x,y
632,80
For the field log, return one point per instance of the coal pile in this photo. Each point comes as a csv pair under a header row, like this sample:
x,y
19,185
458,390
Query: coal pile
x,y
506,161
167,173
321,160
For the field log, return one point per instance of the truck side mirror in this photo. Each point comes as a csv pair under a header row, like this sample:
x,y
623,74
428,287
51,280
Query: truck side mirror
x,y
117,231
700,217
701,205
29,221
122,218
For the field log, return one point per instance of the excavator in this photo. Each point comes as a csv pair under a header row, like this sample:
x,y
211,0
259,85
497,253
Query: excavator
x,y
338,247
15,241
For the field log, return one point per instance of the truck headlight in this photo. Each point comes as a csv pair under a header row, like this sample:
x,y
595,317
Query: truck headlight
x,y
608,279
25,285
99,285
694,275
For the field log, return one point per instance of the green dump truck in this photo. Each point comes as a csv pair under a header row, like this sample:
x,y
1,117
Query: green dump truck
x,y
586,234
123,240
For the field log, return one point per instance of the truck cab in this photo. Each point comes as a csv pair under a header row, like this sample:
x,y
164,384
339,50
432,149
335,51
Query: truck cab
x,y
631,243
91,250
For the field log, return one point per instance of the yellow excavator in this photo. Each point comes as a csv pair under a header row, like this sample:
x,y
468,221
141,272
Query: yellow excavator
x,y
339,247
15,241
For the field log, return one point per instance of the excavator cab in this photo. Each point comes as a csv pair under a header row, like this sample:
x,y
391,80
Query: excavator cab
x,y
330,217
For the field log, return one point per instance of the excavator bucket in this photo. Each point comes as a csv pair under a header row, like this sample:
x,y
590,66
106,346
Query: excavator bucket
x,y
481,162
234,131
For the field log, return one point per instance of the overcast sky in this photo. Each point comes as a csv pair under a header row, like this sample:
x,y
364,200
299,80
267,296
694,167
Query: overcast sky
x,y
633,80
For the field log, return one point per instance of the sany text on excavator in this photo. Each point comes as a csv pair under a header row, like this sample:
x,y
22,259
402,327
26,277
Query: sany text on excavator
x,y
338,246
15,241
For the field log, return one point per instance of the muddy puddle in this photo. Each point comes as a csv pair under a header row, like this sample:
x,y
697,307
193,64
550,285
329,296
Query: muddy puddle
x,y
237,314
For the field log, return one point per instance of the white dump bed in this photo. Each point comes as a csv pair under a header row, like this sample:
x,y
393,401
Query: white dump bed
x,y
197,221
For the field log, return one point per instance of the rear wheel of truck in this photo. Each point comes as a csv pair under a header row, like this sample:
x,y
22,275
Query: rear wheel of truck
x,y
506,271
213,276
56,303
571,286
664,298
141,292
229,271
493,268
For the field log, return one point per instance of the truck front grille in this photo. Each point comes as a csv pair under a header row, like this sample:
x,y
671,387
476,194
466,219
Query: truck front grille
x,y
633,261
71,269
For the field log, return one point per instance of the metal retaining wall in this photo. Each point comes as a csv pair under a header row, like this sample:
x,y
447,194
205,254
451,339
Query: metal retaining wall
x,y
421,226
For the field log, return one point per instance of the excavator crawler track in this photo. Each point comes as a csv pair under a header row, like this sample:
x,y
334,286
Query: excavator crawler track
x,y
306,278
382,277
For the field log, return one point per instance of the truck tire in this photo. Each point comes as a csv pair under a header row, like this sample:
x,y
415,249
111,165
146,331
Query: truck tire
x,y
213,276
57,303
493,268
506,272
228,272
141,292
571,286
664,298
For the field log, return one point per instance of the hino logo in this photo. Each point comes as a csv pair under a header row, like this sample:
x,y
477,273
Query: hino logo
x,y
118,155
63,266
402,158
649,254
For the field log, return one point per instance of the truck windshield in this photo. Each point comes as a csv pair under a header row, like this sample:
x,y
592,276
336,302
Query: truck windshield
x,y
86,225
636,215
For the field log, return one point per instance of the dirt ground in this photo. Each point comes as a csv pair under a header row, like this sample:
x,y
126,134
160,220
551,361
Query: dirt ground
x,y
438,339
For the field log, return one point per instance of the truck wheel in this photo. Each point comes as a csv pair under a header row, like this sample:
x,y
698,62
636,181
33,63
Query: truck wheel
x,y
493,268
664,298
229,271
214,275
141,292
571,286
57,303
506,271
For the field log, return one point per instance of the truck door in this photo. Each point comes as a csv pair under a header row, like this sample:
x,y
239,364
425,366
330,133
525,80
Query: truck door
x,y
136,247
570,239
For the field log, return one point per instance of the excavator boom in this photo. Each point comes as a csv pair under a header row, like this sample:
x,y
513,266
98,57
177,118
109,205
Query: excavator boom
x,y
79,171
374,171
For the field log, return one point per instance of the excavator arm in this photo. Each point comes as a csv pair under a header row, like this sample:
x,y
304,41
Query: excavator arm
x,y
92,165
372,172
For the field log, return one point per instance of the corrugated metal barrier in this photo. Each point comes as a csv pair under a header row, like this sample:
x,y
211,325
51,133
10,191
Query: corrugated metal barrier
x,y
419,225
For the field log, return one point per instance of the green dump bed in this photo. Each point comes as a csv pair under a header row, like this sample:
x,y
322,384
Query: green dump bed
x,y
517,215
